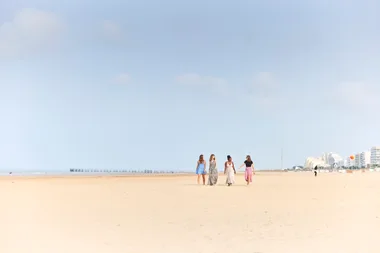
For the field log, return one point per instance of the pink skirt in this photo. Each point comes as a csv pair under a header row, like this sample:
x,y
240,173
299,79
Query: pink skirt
x,y
248,174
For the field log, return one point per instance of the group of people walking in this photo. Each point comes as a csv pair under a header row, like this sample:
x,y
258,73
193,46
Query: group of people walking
x,y
229,170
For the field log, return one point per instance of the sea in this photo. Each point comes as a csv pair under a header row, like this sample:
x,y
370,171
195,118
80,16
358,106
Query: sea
x,y
89,173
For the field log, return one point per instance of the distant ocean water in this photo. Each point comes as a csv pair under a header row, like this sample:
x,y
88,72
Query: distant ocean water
x,y
93,172
32,173
68,173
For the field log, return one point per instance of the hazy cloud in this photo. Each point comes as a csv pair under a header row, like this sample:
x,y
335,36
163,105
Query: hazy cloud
x,y
111,29
265,90
355,94
31,30
195,80
122,78
264,81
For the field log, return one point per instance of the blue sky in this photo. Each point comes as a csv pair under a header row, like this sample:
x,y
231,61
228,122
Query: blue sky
x,y
153,84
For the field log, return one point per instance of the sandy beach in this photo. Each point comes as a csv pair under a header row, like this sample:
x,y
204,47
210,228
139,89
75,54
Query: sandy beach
x,y
279,212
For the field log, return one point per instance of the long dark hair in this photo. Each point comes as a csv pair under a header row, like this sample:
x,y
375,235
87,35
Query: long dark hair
x,y
249,158
201,159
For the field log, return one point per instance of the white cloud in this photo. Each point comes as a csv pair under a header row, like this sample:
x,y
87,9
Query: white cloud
x,y
355,94
354,101
263,91
265,80
266,91
195,80
122,78
30,31
264,83
111,29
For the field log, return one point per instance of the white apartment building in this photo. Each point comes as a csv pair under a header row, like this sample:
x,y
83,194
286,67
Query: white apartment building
x,y
375,156
351,162
332,159
364,159
346,162
357,160
311,162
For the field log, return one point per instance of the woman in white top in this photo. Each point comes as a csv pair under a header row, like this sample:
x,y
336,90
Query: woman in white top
x,y
229,170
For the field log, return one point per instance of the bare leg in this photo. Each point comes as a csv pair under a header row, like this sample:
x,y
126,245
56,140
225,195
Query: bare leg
x,y
204,179
199,178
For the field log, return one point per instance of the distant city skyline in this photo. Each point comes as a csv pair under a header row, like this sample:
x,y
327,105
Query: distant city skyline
x,y
364,159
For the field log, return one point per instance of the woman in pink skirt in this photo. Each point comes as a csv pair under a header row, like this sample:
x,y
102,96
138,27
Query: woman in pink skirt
x,y
249,168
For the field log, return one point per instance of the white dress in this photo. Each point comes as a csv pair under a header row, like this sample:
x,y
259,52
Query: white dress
x,y
230,174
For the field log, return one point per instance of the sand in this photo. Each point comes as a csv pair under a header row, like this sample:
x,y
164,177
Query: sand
x,y
279,212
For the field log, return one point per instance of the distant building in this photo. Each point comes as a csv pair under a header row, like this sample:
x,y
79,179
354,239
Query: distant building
x,y
311,162
375,156
357,160
332,159
365,159
349,162
346,162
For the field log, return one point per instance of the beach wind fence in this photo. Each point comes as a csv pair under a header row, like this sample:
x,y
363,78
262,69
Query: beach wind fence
x,y
123,171
152,171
